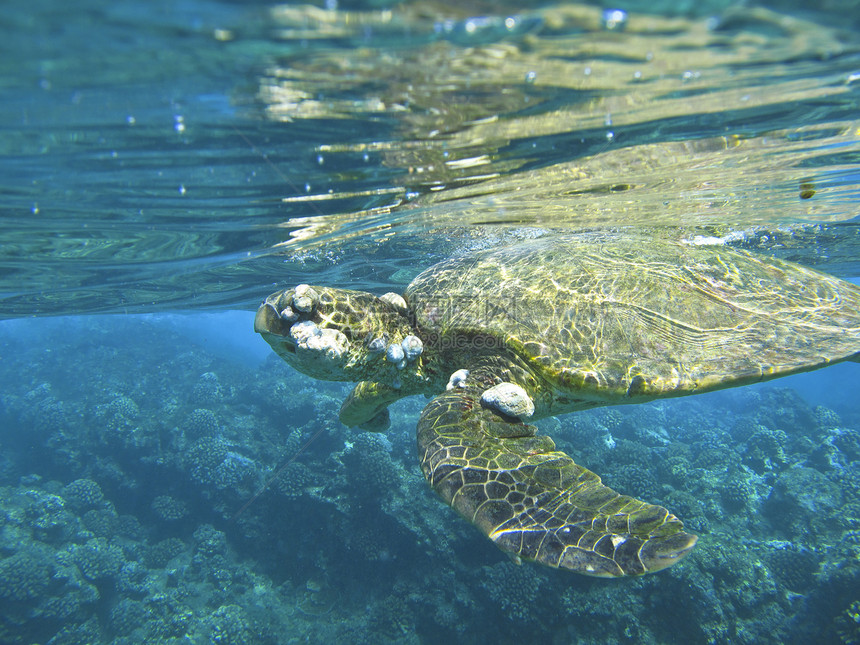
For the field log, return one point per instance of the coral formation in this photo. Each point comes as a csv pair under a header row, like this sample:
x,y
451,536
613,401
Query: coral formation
x,y
210,503
201,423
207,391
169,508
515,589
83,494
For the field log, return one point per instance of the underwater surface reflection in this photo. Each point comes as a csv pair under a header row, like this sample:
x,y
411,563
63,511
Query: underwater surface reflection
x,y
202,150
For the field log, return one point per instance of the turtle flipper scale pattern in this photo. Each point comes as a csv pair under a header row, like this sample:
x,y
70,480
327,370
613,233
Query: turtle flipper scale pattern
x,y
534,501
367,406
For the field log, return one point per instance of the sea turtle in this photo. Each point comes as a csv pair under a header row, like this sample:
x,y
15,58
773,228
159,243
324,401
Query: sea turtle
x,y
552,325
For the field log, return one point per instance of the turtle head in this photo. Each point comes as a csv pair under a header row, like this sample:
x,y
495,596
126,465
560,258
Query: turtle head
x,y
339,334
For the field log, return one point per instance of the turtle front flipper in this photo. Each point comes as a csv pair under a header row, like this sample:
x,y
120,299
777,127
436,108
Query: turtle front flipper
x,y
367,406
533,501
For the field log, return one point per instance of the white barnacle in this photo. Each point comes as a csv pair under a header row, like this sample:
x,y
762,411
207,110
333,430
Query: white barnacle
x,y
510,399
395,300
288,314
322,346
394,353
329,347
458,379
376,346
301,331
305,298
412,347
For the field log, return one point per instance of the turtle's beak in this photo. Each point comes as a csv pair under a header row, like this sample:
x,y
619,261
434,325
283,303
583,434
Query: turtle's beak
x,y
268,322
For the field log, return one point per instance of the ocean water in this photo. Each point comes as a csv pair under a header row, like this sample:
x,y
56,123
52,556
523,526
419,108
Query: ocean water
x,y
165,478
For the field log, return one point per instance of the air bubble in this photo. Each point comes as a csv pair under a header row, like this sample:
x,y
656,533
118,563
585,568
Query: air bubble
x,y
614,20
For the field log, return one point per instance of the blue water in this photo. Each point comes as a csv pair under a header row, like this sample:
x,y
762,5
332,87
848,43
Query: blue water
x,y
164,166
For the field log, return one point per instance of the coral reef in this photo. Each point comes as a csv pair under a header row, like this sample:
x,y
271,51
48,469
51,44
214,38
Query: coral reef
x,y
514,589
169,508
210,502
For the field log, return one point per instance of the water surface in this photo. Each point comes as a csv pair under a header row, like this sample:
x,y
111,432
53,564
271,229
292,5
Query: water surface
x,y
183,156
